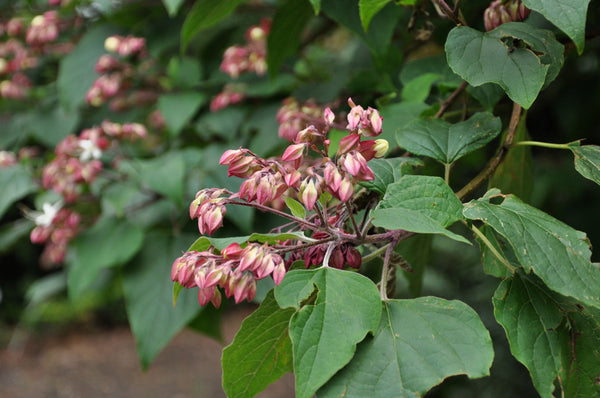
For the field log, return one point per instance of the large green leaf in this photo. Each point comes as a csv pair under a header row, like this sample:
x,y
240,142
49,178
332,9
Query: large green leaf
x,y
582,375
76,72
148,295
417,90
557,253
286,30
567,15
50,126
537,322
387,171
422,204
445,142
335,310
204,14
491,58
261,351
543,42
108,243
347,14
515,173
15,183
165,174
419,343
179,108
398,115
587,160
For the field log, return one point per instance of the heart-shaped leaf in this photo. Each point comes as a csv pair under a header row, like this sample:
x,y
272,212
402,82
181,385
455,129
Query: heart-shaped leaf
x,y
446,142
335,311
422,204
567,15
557,253
419,343
507,56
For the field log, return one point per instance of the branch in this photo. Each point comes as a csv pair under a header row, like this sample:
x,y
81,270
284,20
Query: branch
x,y
450,100
496,160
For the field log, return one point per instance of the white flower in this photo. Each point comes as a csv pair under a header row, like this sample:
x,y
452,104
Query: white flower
x,y
89,150
44,218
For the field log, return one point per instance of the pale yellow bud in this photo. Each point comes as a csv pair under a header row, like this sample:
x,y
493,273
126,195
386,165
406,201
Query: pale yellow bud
x,y
381,147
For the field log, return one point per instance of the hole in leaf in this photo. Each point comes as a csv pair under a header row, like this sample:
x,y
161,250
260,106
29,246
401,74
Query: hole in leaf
x,y
497,200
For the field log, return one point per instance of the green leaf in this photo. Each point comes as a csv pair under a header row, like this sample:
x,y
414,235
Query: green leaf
x,y
417,90
445,142
368,9
587,160
276,237
295,207
286,30
347,14
492,265
50,126
261,351
398,115
486,58
186,72
165,174
316,5
108,243
335,310
172,6
515,173
537,323
543,42
204,14
555,252
76,71
420,204
583,365
389,170
179,108
15,183
418,344
148,295
204,242
567,15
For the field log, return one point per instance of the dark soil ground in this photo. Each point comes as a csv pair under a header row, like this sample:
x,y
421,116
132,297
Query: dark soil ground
x,y
103,363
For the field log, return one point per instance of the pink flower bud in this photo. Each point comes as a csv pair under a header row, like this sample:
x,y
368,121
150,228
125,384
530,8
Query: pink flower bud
x,y
278,273
329,117
293,152
206,295
233,251
308,194
353,257
348,143
346,190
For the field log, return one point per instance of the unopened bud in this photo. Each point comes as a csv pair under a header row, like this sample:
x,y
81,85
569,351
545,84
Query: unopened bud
x,y
111,44
381,147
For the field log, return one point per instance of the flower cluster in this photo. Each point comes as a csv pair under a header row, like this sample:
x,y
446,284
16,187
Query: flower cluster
x,y
251,57
238,59
55,227
503,11
235,270
267,182
123,75
294,116
77,160
231,94
22,47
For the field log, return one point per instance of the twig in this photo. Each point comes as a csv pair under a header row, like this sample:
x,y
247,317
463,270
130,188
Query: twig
x,y
497,159
450,100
